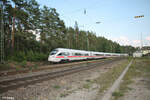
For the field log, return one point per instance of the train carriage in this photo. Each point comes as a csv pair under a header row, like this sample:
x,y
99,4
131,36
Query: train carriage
x,y
63,54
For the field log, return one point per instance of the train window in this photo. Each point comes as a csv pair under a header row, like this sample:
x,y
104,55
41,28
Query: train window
x,y
86,54
63,54
108,55
78,54
67,53
53,52
99,54
73,54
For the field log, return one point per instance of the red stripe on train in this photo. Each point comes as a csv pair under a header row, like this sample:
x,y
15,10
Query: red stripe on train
x,y
59,56
77,56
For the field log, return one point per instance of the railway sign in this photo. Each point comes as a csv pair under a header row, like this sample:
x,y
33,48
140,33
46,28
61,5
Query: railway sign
x,y
139,16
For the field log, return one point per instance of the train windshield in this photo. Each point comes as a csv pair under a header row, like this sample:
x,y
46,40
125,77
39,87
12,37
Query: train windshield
x,y
53,52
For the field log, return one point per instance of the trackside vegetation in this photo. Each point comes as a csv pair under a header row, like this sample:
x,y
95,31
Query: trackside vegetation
x,y
25,17
109,77
139,68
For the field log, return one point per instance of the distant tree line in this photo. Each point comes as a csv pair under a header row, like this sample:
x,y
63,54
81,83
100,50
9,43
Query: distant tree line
x,y
20,16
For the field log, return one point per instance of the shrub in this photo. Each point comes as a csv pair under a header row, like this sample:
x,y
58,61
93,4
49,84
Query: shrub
x,y
40,56
23,63
18,56
35,56
29,56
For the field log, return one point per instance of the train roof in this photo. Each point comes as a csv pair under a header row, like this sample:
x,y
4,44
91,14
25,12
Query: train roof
x,y
66,49
62,49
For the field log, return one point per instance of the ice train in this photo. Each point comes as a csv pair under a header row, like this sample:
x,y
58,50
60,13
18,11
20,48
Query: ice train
x,y
63,54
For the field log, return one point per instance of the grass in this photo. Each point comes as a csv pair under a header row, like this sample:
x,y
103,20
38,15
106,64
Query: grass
x,y
108,78
118,94
56,87
87,86
18,66
88,83
63,94
35,66
5,66
139,68
88,80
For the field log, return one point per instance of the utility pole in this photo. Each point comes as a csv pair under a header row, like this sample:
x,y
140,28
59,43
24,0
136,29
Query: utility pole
x,y
141,42
87,43
77,30
1,35
141,16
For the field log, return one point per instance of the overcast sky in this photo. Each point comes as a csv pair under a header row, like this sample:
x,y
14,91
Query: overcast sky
x,y
116,17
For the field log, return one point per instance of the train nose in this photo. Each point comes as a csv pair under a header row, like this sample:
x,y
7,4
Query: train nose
x,y
51,58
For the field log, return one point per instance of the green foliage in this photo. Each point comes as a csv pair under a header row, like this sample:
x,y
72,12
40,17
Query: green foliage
x,y
29,56
30,68
5,66
57,87
63,94
117,94
18,56
35,66
87,86
39,57
23,63
28,17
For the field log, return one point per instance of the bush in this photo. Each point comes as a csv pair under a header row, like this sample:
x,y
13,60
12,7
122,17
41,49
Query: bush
x,y
18,56
31,56
40,56
23,63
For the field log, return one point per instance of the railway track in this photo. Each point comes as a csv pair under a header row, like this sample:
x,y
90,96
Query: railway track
x,y
47,67
16,83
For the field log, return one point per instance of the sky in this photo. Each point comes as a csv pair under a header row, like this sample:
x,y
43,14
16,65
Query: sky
x,y
116,18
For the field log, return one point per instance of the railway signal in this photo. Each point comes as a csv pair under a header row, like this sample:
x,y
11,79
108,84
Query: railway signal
x,y
98,22
139,16
84,11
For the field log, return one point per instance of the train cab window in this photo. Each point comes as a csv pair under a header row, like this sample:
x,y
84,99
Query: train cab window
x,y
53,52
60,54
63,54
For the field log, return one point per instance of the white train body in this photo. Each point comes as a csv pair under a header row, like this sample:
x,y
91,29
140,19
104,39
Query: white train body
x,y
63,54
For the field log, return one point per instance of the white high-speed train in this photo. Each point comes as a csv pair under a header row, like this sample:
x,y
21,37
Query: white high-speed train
x,y
63,54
